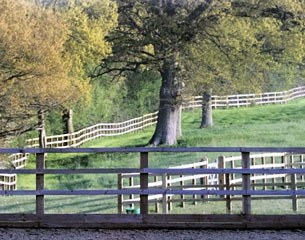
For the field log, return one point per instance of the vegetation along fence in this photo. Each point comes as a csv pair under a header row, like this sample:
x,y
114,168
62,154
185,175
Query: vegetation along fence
x,y
247,180
114,129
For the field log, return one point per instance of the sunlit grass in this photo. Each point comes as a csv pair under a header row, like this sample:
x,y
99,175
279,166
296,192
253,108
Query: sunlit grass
x,y
272,125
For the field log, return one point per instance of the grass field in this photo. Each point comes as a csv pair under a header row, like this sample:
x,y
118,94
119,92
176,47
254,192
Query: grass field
x,y
271,125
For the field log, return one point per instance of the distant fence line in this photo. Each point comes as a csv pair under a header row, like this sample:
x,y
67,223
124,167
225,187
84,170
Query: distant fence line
x,y
243,100
115,129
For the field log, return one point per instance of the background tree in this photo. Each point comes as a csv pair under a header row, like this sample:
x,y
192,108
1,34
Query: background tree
x,y
88,23
33,74
159,35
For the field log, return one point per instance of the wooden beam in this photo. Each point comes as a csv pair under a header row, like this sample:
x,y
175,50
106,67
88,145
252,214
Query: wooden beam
x,y
246,184
40,165
144,183
154,149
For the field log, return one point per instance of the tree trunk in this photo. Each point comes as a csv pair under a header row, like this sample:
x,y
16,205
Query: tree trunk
x,y
67,121
168,124
41,130
207,117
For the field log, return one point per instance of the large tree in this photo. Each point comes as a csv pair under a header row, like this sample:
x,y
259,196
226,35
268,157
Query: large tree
x,y
158,34
47,49
33,75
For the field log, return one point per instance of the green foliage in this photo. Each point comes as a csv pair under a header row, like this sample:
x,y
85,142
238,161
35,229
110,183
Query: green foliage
x,y
142,93
89,22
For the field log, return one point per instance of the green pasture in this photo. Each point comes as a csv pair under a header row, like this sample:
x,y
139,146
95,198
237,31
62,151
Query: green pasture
x,y
258,126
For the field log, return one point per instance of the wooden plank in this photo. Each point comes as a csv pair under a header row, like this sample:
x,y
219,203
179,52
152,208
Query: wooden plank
x,y
183,221
120,196
221,177
144,183
294,196
172,171
40,165
228,197
202,191
246,184
154,149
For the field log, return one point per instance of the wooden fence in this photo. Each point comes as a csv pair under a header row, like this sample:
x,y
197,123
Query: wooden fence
x,y
76,139
218,181
246,191
244,100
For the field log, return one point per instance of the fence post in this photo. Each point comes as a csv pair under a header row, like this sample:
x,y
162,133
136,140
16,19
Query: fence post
x,y
228,196
246,183
221,177
164,197
169,198
294,196
194,183
120,196
143,183
181,196
156,203
40,165
130,183
204,180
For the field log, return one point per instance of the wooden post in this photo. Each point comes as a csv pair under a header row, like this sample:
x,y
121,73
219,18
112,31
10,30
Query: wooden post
x,y
221,177
253,181
164,197
40,165
294,196
264,179
169,203
204,180
273,179
301,166
246,184
157,203
283,161
228,196
194,185
182,196
144,183
120,196
130,183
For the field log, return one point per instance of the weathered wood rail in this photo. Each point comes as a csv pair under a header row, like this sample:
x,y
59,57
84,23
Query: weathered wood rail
x,y
145,219
76,139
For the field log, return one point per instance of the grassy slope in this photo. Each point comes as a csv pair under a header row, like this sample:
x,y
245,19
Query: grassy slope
x,y
269,125
272,125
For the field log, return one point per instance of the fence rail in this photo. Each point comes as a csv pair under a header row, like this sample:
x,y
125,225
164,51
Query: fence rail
x,y
246,191
76,139
244,100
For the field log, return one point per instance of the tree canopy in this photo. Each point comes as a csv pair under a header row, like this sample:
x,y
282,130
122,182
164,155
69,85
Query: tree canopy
x,y
46,54
235,44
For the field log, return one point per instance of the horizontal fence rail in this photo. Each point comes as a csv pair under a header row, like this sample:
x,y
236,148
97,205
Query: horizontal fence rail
x,y
240,178
244,100
76,139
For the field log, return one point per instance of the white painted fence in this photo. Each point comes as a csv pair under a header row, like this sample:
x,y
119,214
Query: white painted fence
x,y
115,129
243,100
